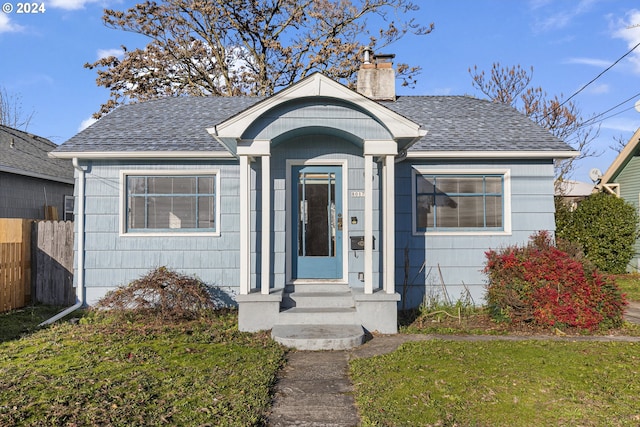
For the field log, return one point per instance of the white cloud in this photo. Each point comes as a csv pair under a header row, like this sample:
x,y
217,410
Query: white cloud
x,y
105,53
86,123
599,89
70,4
559,19
6,26
628,29
621,124
589,61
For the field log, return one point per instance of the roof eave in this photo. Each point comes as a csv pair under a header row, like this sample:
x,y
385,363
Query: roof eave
x,y
150,155
621,160
512,154
15,171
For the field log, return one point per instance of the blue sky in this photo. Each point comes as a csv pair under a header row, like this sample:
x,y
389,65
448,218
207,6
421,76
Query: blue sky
x,y
568,43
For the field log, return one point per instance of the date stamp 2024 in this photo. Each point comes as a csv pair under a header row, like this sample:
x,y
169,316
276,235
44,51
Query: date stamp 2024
x,y
24,8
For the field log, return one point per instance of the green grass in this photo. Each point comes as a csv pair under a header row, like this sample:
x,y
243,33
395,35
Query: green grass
x,y
121,373
15,323
500,383
630,285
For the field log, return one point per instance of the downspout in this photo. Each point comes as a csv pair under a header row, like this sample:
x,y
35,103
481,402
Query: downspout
x,y
80,249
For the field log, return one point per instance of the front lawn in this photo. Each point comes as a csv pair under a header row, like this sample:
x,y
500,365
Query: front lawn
x,y
500,383
630,285
107,372
23,320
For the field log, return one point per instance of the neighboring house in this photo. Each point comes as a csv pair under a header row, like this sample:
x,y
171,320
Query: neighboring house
x,y
573,192
623,180
319,188
30,180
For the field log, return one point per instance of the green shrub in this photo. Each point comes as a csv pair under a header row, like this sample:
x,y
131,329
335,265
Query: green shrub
x,y
542,284
604,226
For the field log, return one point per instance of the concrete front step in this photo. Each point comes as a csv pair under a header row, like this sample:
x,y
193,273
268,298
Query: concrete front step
x,y
318,316
317,287
317,299
319,336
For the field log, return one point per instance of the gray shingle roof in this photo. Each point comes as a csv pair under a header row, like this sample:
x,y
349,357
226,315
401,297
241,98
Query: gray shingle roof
x,y
454,123
25,154
462,123
167,124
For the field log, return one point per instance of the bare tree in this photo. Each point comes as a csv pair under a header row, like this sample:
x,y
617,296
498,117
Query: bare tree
x,y
252,47
11,114
512,86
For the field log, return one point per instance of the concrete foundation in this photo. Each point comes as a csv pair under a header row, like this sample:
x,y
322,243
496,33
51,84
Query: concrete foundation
x,y
377,312
258,312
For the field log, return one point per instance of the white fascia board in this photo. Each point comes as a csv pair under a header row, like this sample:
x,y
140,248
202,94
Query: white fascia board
x,y
254,148
151,155
15,171
312,86
617,163
492,154
380,148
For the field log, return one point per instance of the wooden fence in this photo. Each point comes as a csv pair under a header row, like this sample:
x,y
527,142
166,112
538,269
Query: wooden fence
x,y
15,263
52,262
36,263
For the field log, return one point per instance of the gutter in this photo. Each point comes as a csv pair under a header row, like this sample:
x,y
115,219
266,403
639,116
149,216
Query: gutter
x,y
80,298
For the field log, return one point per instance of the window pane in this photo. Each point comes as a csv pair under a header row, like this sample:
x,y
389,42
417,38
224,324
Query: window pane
x,y
158,212
471,212
426,209
494,211
425,184
447,215
136,184
447,201
493,184
471,185
206,185
171,202
446,184
206,216
136,212
184,185
183,212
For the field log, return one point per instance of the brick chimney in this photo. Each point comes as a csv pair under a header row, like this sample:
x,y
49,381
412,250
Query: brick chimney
x,y
376,77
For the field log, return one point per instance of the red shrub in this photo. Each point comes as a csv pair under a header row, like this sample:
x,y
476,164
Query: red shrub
x,y
545,285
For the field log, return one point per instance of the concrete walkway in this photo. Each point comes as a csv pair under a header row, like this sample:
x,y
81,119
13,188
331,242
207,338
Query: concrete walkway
x,y
314,389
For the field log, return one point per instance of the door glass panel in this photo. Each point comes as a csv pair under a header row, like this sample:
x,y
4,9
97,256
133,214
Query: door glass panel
x,y
316,214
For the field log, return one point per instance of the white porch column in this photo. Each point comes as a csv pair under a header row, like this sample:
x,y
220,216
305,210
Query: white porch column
x,y
265,270
368,224
245,226
388,225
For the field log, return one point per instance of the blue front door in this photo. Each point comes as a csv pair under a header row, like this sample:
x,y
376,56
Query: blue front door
x,y
317,222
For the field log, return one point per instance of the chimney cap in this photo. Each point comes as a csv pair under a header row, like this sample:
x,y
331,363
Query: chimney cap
x,y
384,57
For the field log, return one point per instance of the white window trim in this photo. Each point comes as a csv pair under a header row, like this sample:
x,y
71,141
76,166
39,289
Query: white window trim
x,y
161,172
506,173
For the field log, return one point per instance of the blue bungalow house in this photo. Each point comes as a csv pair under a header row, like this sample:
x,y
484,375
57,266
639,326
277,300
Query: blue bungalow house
x,y
318,207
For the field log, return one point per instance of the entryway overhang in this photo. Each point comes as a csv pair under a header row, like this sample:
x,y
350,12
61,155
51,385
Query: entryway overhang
x,y
315,105
314,88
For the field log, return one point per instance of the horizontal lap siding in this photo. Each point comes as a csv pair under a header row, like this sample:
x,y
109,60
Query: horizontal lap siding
x,y
458,260
323,147
629,180
113,260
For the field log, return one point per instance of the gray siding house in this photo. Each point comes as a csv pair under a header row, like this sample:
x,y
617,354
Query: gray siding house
x,y
313,206
29,179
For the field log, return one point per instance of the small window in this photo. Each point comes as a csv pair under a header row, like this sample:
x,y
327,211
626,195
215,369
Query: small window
x,y
170,203
459,202
69,203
